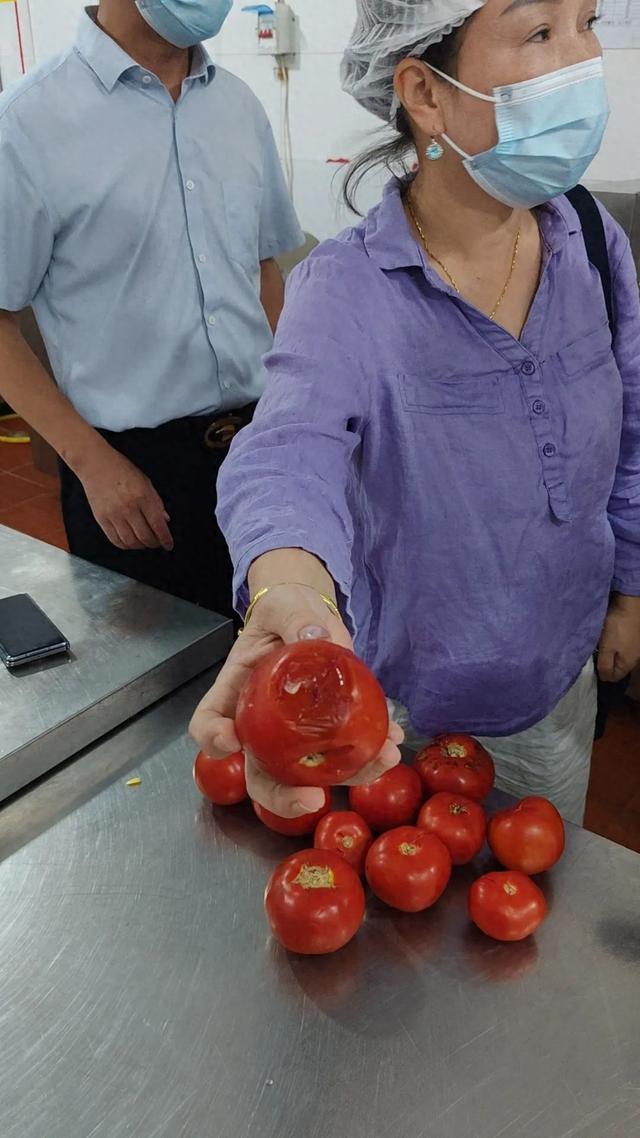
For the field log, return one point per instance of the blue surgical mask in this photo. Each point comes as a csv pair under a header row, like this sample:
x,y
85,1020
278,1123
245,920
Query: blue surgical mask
x,y
549,131
185,23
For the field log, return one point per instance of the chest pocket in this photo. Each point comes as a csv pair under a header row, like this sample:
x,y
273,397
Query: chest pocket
x,y
242,205
481,395
586,355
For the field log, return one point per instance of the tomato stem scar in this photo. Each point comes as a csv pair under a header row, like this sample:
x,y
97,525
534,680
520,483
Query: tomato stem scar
x,y
315,877
315,760
408,849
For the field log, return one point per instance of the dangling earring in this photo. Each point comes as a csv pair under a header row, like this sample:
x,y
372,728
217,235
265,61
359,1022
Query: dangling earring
x,y
434,150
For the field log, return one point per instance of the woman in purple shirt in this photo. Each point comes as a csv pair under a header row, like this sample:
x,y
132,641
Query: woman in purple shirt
x,y
449,446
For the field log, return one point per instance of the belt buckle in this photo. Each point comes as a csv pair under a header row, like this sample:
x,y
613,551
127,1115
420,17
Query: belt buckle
x,y
220,434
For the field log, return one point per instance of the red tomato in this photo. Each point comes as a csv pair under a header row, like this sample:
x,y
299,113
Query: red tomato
x,y
312,714
507,906
457,764
392,800
347,834
293,827
222,781
314,902
459,822
408,868
528,836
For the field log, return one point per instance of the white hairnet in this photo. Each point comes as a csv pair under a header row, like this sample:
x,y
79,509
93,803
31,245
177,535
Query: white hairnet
x,y
388,31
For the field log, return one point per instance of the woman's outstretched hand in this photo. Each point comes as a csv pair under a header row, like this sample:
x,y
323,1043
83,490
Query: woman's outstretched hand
x,y
286,614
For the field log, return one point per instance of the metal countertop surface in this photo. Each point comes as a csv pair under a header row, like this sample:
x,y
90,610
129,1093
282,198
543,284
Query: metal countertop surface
x,y
141,995
130,645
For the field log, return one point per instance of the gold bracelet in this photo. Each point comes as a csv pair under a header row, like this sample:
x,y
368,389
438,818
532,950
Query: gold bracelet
x,y
331,605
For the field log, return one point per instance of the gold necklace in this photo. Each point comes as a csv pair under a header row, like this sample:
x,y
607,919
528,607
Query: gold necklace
x,y
449,276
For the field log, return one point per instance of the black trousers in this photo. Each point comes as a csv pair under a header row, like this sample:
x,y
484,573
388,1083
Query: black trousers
x,y
182,459
611,697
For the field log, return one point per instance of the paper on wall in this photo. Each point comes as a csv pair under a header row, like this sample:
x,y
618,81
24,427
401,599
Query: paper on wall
x,y
619,25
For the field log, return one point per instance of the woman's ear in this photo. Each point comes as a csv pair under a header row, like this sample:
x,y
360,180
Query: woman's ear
x,y
421,95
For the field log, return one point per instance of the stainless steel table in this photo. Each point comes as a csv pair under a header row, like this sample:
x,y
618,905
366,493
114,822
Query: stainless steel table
x,y
141,995
131,645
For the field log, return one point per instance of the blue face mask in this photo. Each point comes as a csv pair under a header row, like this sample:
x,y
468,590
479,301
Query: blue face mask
x,y
185,23
549,129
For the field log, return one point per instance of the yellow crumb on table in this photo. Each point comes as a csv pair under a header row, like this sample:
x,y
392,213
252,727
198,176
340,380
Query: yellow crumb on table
x,y
134,782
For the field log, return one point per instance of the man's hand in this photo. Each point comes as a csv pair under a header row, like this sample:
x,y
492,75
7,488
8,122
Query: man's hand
x,y
125,504
619,650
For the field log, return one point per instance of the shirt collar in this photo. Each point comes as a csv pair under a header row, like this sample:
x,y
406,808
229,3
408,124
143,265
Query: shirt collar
x,y
388,238
390,243
202,65
110,62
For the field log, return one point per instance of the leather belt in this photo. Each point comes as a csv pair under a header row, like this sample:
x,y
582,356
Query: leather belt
x,y
222,431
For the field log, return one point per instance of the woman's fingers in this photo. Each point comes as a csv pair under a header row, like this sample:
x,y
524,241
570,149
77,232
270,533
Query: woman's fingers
x,y
396,733
214,735
212,725
388,758
292,801
284,615
285,801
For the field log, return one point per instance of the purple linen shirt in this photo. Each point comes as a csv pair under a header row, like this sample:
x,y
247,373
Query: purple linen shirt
x,y
475,497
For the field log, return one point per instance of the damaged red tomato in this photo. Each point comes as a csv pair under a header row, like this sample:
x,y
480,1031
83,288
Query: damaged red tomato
x,y
312,714
456,764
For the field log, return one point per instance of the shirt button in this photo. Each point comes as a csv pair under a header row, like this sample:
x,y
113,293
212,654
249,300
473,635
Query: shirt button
x,y
549,450
539,407
202,258
212,321
146,79
226,385
191,185
528,367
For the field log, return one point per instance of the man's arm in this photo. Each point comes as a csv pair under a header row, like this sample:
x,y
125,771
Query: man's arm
x,y
280,231
29,390
271,291
122,499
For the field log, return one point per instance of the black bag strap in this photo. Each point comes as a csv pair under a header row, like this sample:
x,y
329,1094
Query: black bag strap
x,y
595,240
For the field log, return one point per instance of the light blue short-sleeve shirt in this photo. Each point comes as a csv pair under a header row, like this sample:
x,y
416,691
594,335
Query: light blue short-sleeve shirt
x,y
136,226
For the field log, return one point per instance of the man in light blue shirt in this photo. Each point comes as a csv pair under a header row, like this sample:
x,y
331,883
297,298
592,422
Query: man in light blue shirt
x,y
142,204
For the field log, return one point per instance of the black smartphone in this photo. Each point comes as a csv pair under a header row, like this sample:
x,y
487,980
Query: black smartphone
x,y
26,633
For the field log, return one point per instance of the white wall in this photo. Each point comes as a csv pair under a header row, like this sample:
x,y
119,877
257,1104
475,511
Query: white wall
x,y
9,54
16,42
328,124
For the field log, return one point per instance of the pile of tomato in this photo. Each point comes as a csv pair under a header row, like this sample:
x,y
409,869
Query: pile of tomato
x,y
404,835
